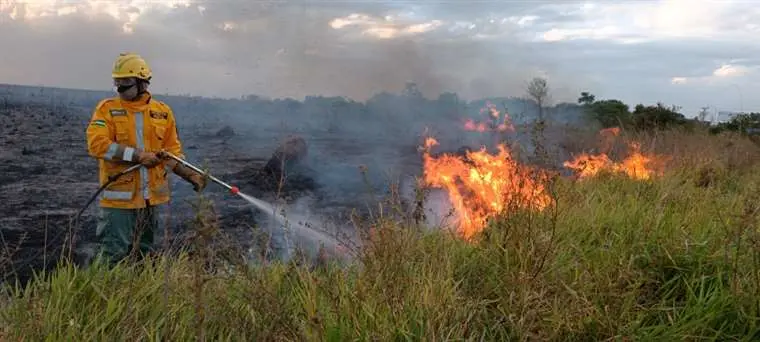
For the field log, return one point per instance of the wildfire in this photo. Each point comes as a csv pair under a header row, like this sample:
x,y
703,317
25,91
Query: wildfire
x,y
470,125
636,165
481,185
494,115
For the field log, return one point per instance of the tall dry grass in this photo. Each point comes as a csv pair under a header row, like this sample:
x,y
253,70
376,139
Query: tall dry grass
x,y
671,258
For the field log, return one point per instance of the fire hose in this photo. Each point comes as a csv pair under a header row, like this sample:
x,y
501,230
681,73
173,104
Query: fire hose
x,y
261,205
162,154
108,182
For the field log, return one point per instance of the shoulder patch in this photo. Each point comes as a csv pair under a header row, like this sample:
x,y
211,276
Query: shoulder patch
x,y
118,112
159,115
99,123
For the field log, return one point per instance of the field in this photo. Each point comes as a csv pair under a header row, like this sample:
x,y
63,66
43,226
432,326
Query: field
x,y
672,254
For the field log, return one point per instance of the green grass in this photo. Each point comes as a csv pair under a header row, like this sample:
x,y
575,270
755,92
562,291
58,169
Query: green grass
x,y
617,259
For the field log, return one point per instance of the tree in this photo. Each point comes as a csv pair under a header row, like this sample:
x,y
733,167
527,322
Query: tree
x,y
609,113
744,123
448,98
538,90
411,90
586,98
657,117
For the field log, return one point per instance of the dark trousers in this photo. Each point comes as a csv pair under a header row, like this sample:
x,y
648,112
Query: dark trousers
x,y
121,232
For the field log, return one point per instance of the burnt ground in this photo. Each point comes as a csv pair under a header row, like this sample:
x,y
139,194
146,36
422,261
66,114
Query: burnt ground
x,y
46,176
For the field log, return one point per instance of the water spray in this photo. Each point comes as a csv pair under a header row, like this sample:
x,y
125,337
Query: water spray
x,y
261,205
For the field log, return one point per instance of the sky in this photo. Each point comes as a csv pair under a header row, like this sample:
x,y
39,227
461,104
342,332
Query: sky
x,y
691,54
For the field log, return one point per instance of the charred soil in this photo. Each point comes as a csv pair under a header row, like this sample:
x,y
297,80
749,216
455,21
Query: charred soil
x,y
46,177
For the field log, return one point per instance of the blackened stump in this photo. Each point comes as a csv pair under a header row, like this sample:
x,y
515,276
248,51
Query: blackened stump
x,y
288,156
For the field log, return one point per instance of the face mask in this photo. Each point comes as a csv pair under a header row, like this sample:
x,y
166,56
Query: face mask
x,y
123,88
128,93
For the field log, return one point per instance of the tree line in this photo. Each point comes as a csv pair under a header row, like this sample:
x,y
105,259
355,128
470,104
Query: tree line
x,y
615,113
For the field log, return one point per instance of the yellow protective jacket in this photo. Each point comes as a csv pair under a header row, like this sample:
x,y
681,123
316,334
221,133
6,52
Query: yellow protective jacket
x,y
117,132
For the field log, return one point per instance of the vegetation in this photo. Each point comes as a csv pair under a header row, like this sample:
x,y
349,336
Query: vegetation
x,y
746,123
674,258
615,113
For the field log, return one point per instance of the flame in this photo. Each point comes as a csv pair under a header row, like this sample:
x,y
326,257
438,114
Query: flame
x,y
639,166
636,165
481,185
470,125
614,131
494,125
430,142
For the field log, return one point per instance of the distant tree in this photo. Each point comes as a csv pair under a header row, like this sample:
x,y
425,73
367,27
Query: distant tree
x,y
292,104
657,117
412,90
745,123
586,98
538,90
609,113
450,105
448,98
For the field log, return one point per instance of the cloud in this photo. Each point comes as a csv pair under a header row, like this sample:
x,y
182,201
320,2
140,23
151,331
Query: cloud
x,y
634,51
727,70
125,12
653,20
384,28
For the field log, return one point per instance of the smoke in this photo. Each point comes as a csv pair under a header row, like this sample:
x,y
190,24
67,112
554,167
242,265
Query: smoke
x,y
292,49
364,52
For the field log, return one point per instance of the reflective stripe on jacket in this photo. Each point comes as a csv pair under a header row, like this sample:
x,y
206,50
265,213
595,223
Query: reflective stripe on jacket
x,y
120,129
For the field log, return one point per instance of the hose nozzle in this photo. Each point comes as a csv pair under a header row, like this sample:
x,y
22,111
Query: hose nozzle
x,y
165,154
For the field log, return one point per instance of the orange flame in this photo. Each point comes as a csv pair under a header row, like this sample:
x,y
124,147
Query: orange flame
x,y
430,142
615,131
636,165
504,126
470,125
481,185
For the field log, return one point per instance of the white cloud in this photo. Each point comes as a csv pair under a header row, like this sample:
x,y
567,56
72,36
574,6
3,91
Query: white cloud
x,y
667,19
555,34
522,21
725,71
728,70
424,27
228,26
126,12
385,27
351,20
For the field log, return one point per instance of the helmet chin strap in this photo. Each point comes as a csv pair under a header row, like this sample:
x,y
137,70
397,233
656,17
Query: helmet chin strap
x,y
142,86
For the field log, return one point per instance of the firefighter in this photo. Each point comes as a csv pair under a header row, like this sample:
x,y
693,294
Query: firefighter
x,y
126,129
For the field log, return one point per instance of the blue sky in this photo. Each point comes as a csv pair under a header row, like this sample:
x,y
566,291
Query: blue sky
x,y
687,53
